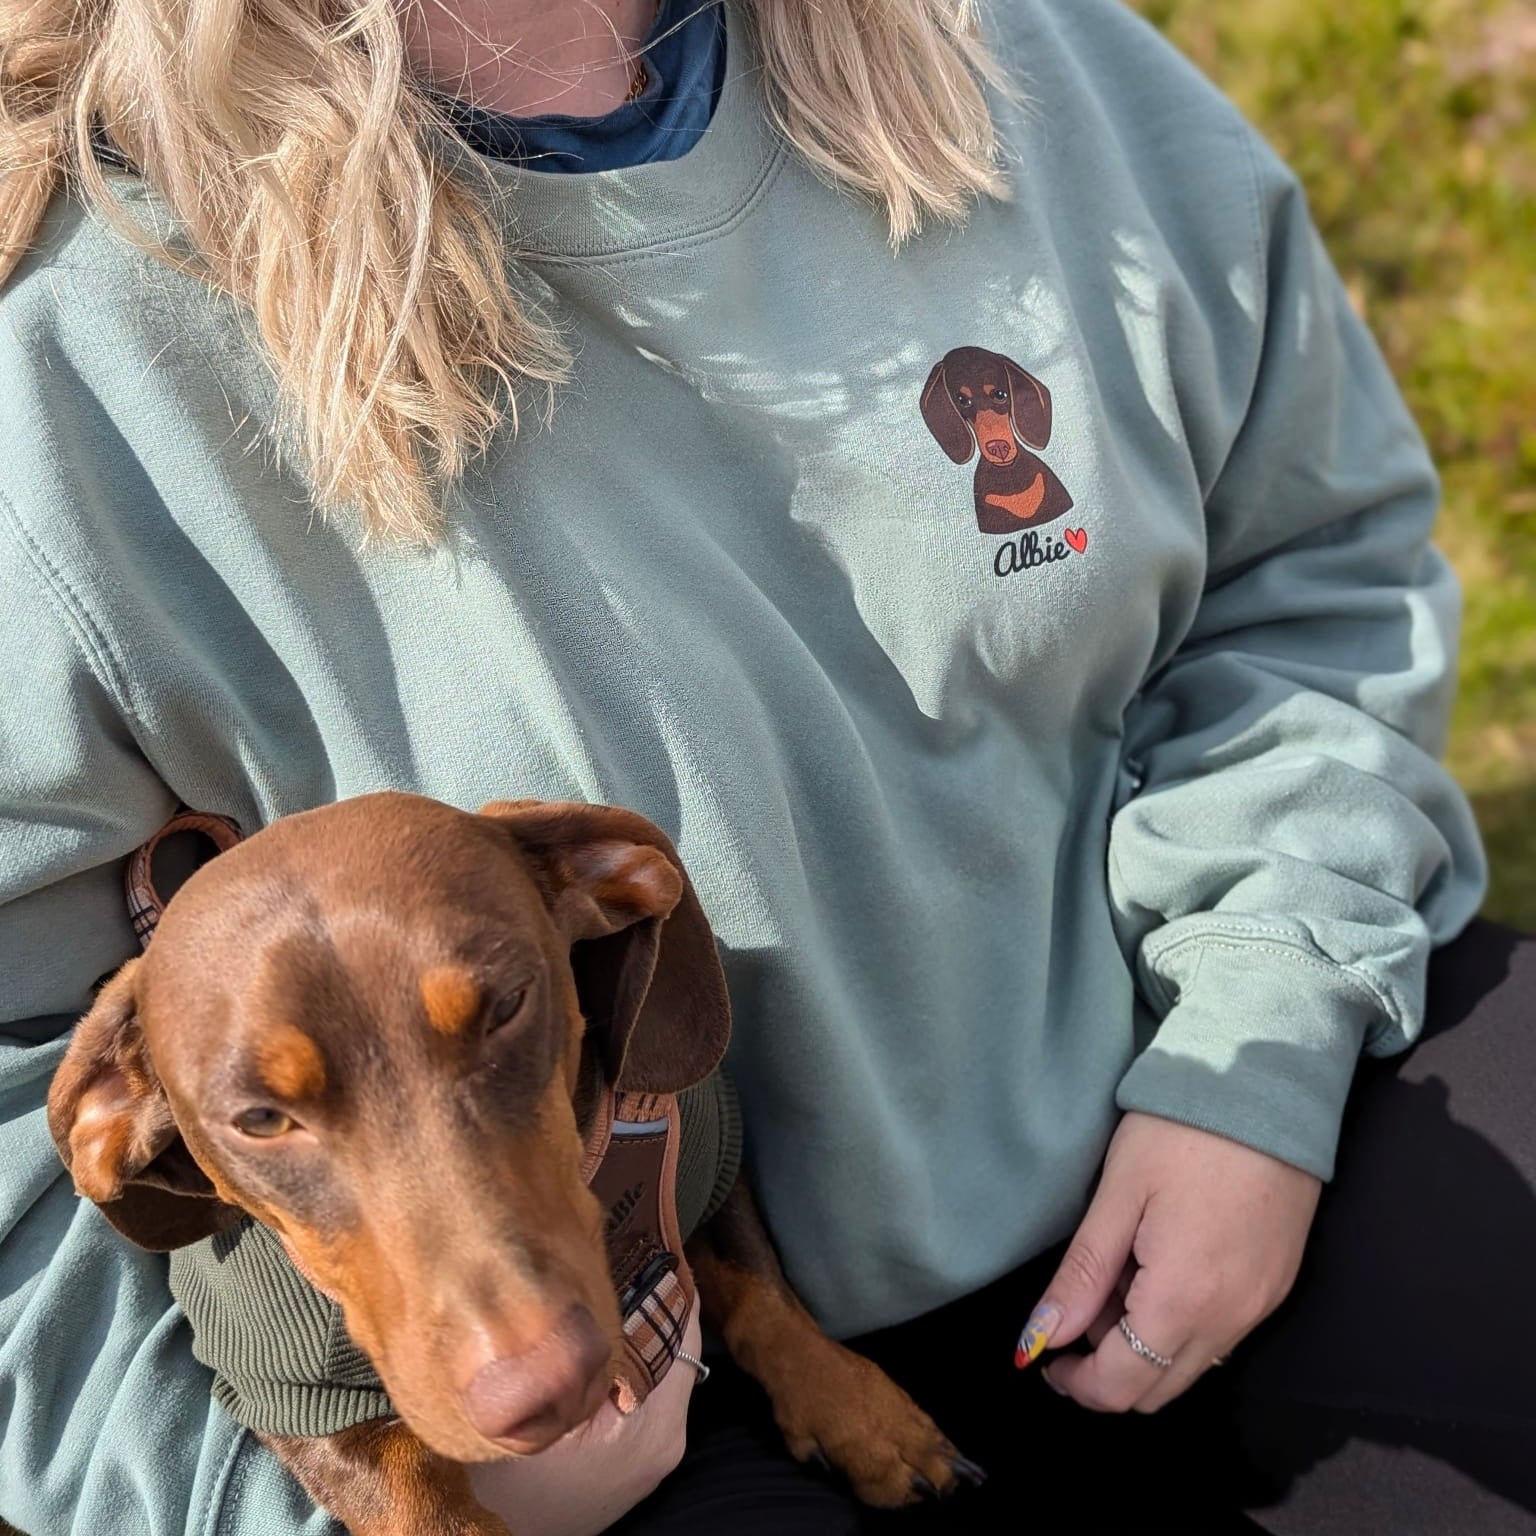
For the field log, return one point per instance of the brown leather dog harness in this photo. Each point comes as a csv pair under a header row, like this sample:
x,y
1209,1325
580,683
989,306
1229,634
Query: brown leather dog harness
x,y
630,1163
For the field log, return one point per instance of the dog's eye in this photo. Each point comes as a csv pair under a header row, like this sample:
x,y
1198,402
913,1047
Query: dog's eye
x,y
508,1009
263,1121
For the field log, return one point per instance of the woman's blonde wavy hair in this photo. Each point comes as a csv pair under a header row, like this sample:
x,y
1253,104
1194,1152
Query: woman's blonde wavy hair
x,y
286,138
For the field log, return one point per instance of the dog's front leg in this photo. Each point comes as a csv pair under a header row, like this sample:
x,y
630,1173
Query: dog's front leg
x,y
378,1479
831,1404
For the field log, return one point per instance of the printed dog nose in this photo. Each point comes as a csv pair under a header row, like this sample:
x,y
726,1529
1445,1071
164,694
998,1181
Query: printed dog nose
x,y
532,1398
997,448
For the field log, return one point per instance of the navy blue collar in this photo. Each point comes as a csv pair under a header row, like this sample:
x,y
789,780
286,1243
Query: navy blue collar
x,y
684,57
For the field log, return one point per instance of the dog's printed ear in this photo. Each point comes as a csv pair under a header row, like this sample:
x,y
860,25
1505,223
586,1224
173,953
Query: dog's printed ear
x,y
944,419
647,971
1031,402
113,1126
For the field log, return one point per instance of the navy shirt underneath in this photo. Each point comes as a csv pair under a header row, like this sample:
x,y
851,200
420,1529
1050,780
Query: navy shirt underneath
x,y
684,56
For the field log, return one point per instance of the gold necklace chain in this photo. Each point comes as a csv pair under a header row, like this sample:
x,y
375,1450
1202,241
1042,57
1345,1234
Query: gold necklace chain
x,y
638,80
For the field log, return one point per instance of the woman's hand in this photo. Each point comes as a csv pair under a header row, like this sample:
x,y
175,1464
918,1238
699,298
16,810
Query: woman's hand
x,y
1194,1239
583,1483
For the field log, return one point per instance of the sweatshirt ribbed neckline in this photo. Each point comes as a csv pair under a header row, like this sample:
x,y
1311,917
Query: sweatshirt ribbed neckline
x,y
591,215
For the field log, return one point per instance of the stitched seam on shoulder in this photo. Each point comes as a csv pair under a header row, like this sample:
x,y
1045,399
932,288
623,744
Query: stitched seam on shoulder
x,y
1255,214
1275,946
68,604
1261,265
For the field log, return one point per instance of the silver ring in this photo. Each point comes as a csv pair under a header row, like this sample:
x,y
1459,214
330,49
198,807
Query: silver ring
x,y
1162,1362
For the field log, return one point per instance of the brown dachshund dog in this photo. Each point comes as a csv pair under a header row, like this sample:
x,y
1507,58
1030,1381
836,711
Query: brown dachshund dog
x,y
978,399
365,1027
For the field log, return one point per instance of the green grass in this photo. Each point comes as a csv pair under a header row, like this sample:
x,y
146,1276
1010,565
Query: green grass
x,y
1413,125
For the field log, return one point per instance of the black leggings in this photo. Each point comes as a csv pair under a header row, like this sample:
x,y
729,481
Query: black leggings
x,y
1393,1393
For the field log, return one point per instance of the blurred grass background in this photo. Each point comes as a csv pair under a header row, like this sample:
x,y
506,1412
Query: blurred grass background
x,y
1412,124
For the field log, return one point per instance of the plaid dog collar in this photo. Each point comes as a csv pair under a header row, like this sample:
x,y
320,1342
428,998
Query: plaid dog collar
x,y
631,1166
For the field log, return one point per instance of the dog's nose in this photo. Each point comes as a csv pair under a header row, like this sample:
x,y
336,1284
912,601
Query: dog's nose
x,y
526,1401
997,448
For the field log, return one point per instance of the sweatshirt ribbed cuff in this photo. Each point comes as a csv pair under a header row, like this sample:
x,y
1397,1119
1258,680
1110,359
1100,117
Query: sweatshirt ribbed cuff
x,y
1261,1047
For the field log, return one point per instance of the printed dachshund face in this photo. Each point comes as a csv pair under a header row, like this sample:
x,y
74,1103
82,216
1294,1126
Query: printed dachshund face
x,y
364,1026
978,399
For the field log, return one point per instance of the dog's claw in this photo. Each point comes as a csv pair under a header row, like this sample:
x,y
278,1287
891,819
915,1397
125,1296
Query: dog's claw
x,y
967,1471
819,1458
923,1486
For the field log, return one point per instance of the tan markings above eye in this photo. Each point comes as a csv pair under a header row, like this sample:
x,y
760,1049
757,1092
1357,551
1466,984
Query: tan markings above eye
x,y
290,1064
451,997
263,1122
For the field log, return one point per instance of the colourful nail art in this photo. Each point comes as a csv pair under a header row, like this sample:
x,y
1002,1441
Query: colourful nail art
x,y
1043,1322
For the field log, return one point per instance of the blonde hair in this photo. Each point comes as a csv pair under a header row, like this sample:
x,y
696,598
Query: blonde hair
x,y
286,138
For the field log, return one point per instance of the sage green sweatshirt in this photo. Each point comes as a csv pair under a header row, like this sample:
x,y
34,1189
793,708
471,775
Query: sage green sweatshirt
x,y
1095,771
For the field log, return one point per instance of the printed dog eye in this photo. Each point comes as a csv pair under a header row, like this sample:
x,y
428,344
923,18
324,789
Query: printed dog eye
x,y
263,1122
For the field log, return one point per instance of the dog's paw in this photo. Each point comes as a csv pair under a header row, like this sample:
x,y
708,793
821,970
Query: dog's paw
x,y
849,1414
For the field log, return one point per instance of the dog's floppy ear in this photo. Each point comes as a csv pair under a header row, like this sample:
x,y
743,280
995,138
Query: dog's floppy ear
x,y
113,1126
1031,402
944,419
644,958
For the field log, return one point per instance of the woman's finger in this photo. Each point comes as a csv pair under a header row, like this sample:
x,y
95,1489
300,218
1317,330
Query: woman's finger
x,y
1091,1268
1189,1365
1104,1324
1114,1378
1113,1308
1204,1353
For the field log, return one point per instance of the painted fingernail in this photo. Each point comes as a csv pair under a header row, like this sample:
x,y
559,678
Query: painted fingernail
x,y
1043,1322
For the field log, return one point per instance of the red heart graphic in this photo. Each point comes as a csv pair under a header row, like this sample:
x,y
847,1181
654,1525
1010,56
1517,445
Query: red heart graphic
x,y
1077,538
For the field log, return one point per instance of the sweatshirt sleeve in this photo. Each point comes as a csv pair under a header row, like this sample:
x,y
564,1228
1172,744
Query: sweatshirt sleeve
x,y
1294,849
106,1424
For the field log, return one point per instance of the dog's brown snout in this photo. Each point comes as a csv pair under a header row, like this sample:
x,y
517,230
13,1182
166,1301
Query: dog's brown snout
x,y
528,1400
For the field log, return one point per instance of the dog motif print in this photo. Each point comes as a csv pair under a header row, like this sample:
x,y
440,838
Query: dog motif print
x,y
979,401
